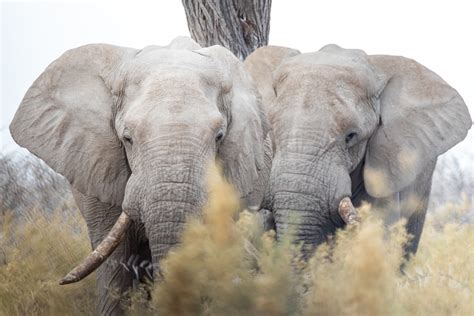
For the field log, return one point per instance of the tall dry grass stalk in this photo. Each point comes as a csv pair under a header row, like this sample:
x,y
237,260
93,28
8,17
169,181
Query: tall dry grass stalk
x,y
34,254
227,265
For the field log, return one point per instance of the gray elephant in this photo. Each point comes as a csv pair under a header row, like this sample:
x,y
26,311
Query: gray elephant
x,y
134,132
350,127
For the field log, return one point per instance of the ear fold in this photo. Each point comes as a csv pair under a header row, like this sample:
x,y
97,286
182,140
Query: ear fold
x,y
66,119
261,65
421,118
243,149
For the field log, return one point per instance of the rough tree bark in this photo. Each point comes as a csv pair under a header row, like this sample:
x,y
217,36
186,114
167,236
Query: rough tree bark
x,y
239,25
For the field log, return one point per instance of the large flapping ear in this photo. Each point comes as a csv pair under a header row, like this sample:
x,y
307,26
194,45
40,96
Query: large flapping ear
x,y
421,117
66,119
261,65
243,149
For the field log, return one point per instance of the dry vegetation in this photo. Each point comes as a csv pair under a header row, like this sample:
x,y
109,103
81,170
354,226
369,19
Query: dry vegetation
x,y
227,266
34,254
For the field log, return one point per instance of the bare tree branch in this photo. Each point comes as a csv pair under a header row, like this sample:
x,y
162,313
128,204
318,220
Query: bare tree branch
x,y
27,183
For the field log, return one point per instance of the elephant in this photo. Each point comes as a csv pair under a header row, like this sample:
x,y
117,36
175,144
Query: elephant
x,y
133,131
348,127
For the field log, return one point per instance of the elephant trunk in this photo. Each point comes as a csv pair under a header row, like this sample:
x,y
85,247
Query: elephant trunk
x,y
176,192
166,216
310,199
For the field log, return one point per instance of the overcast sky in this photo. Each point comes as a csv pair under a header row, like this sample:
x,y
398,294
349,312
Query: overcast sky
x,y
438,34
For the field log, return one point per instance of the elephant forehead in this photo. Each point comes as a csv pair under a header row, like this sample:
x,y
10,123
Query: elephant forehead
x,y
161,62
330,74
172,99
168,85
320,87
335,98
165,74
353,59
331,71
164,56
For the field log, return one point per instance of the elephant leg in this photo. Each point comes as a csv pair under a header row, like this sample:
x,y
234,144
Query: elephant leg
x,y
113,280
414,204
414,227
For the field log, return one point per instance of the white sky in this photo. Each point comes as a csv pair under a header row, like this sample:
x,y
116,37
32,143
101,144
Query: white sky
x,y
438,34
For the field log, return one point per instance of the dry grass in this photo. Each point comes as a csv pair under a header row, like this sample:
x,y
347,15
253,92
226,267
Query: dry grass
x,y
227,265
34,255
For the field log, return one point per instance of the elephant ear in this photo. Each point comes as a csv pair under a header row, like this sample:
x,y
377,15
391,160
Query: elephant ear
x,y
242,151
66,119
421,118
261,65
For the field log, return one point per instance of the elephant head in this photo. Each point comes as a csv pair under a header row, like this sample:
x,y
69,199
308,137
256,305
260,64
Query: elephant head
x,y
138,128
340,116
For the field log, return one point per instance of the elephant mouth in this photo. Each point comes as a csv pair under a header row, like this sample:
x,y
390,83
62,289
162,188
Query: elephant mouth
x,y
346,211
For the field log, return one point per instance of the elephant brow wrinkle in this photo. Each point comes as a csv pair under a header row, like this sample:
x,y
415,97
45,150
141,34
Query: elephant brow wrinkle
x,y
223,107
204,55
282,78
138,53
119,98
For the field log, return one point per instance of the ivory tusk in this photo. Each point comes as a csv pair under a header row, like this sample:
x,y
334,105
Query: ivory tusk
x,y
347,211
101,253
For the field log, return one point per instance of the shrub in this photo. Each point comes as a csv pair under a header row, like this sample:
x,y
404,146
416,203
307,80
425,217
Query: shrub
x,y
34,255
227,265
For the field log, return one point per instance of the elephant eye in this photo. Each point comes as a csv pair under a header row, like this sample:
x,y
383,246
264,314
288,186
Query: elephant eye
x,y
350,137
219,136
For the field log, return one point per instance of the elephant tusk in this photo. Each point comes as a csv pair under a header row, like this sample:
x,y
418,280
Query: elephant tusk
x,y
101,253
347,211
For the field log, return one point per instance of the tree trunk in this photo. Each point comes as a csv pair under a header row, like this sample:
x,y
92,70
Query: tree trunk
x,y
239,25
